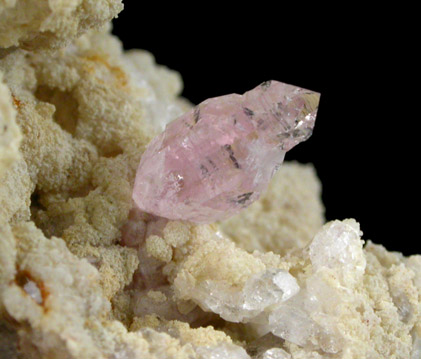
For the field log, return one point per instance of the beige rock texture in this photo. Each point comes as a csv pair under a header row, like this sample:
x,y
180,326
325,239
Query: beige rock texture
x,y
85,275
9,131
51,24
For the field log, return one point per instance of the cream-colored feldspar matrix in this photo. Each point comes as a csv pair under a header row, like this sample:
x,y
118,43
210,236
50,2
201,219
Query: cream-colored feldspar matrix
x,y
83,274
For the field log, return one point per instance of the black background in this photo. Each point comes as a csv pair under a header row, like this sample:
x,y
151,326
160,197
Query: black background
x,y
361,61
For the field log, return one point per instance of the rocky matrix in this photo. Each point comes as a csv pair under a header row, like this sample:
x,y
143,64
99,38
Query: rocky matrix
x,y
85,274
219,157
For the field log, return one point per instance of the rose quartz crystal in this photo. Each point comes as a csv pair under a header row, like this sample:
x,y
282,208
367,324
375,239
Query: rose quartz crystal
x,y
213,161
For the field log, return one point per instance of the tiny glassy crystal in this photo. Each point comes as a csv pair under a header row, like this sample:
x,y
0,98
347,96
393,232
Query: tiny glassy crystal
x,y
213,161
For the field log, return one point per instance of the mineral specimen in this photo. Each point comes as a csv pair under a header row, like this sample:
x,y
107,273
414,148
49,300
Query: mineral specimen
x,y
83,275
219,157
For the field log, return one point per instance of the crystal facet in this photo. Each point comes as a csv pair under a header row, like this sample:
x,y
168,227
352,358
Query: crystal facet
x,y
275,353
216,159
260,292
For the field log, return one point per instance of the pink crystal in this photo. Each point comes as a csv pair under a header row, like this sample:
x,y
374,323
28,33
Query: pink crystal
x,y
216,159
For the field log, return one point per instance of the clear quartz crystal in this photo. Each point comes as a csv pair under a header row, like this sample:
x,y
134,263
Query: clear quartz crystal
x,y
292,322
296,322
33,291
222,351
259,292
267,346
213,161
273,286
339,248
274,353
309,319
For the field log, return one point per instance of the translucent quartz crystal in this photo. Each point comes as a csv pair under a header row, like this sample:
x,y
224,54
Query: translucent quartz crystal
x,y
275,353
34,292
309,319
222,351
216,159
259,292
267,347
338,248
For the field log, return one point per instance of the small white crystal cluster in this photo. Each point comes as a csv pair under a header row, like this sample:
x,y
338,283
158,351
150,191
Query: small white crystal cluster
x,y
310,318
320,301
301,310
83,276
320,308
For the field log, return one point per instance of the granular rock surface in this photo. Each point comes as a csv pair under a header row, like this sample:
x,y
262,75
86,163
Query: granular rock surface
x,y
84,274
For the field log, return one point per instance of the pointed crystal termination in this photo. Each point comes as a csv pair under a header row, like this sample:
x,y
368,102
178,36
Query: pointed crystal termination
x,y
213,161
